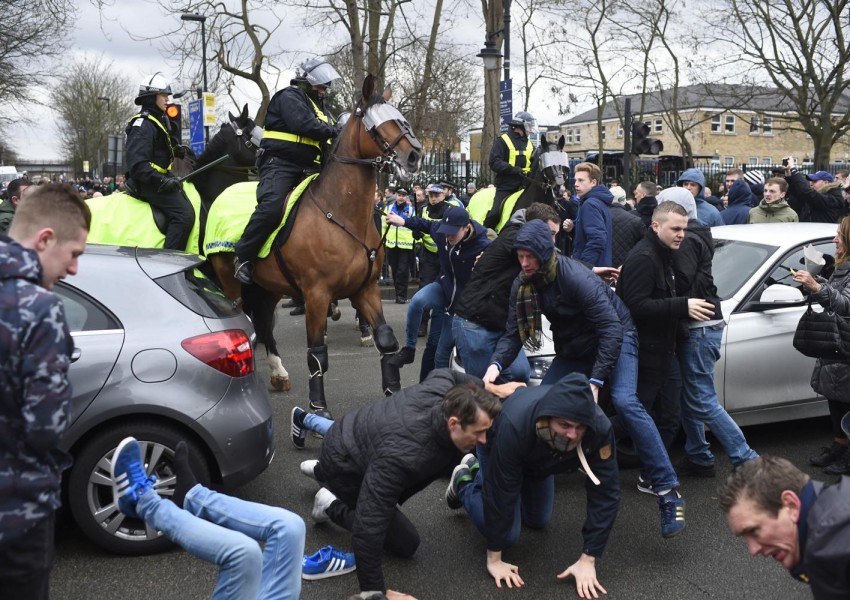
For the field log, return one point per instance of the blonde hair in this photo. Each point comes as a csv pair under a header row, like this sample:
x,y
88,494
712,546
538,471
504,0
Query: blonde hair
x,y
54,205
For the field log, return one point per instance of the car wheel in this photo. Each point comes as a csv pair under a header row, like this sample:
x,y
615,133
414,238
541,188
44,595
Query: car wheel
x,y
90,485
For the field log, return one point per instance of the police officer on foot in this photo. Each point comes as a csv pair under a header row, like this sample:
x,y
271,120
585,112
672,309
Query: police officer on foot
x,y
510,160
297,127
151,149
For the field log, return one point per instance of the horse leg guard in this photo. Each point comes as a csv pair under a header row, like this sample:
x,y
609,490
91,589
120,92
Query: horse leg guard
x,y
387,345
317,365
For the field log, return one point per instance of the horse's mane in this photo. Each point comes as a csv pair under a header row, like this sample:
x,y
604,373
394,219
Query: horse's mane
x,y
375,99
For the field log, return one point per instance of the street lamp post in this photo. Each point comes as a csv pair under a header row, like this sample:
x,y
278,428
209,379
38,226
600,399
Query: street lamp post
x,y
108,101
202,20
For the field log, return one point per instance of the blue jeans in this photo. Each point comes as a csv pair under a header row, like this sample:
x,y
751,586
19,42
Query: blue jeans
x,y
317,423
533,507
699,401
222,529
630,411
430,297
475,346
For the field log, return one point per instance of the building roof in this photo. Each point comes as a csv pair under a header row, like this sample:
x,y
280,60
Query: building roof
x,y
719,96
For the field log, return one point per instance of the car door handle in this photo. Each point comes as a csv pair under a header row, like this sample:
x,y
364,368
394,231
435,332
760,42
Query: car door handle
x,y
76,354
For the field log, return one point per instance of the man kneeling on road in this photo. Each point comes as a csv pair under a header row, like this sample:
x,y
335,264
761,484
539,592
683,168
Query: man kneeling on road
x,y
541,431
376,457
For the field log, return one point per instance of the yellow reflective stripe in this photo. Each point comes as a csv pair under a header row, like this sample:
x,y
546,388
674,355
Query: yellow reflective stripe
x,y
167,139
159,169
319,114
512,153
290,137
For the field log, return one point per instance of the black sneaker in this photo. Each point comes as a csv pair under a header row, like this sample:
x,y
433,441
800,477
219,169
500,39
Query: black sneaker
x,y
461,475
828,455
403,357
691,469
645,486
840,466
299,432
298,310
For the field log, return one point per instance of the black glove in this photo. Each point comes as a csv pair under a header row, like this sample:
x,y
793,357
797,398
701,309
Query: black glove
x,y
184,152
517,171
169,185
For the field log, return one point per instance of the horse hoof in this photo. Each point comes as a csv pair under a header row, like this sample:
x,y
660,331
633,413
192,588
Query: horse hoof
x,y
367,342
280,383
336,313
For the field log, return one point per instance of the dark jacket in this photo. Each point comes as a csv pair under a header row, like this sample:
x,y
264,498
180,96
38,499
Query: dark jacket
x,y
741,200
627,229
692,265
149,143
708,215
291,111
456,262
379,455
35,393
516,453
825,206
508,177
824,539
484,300
7,213
647,286
592,234
645,208
586,317
831,378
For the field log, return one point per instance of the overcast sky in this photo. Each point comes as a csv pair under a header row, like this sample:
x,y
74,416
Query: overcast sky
x,y
136,58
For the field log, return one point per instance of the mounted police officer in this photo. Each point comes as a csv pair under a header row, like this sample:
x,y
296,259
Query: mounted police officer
x,y
297,127
151,149
510,160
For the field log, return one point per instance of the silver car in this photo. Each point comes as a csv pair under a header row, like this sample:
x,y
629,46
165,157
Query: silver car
x,y
161,355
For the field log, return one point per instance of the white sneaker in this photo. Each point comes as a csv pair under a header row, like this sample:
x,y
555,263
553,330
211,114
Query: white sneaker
x,y
308,468
324,498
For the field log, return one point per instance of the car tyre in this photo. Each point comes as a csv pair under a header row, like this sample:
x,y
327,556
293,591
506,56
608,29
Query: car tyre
x,y
90,486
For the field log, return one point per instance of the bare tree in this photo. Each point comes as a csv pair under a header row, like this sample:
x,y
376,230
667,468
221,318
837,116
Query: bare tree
x,y
86,121
799,47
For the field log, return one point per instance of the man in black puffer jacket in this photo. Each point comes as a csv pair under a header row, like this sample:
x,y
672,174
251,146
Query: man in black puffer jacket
x,y
815,197
376,457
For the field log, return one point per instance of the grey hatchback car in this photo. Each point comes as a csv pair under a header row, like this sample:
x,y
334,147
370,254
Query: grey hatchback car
x,y
161,355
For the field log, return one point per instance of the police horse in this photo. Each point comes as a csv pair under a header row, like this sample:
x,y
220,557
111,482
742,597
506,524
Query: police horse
x,y
333,249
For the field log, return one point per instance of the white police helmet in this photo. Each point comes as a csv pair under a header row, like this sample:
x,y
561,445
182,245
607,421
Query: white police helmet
x,y
318,72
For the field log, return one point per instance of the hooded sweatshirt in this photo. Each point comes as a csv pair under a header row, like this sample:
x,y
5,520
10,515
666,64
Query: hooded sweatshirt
x,y
776,212
35,392
707,214
518,453
741,199
592,240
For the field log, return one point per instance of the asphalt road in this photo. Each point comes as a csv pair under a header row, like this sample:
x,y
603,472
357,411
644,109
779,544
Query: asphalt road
x,y
706,561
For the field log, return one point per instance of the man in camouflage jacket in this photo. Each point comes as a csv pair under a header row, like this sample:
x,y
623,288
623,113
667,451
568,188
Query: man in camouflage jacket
x,y
46,237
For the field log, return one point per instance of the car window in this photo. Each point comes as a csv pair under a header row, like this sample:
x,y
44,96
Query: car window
x,y
198,293
795,260
734,263
82,313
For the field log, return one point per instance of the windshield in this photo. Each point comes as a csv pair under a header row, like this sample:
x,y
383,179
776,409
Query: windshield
x,y
735,262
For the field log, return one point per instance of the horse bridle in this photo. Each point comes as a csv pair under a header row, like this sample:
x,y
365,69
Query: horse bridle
x,y
251,138
546,184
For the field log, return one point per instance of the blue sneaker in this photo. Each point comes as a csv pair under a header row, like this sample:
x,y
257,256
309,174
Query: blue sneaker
x,y
129,479
327,562
672,507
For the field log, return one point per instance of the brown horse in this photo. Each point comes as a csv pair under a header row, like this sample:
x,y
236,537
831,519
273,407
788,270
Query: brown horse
x,y
334,249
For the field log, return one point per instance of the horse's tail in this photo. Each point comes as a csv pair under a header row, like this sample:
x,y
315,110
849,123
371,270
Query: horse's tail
x,y
260,304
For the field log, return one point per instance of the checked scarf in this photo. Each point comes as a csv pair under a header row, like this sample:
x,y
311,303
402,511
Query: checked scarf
x,y
528,304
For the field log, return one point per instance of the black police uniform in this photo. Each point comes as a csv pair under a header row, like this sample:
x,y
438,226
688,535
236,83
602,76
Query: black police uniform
x,y
509,177
150,152
297,128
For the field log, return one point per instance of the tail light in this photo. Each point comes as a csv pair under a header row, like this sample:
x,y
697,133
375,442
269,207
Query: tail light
x,y
227,351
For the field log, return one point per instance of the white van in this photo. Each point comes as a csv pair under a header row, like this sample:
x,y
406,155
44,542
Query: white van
x,y
7,174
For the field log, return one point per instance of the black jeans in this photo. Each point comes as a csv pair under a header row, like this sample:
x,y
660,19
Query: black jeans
x,y
178,211
26,562
399,260
494,215
277,178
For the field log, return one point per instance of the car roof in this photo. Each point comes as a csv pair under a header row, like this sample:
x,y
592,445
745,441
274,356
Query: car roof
x,y
775,234
154,262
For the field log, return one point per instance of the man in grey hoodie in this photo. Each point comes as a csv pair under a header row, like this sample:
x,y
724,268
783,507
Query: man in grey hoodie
x,y
694,181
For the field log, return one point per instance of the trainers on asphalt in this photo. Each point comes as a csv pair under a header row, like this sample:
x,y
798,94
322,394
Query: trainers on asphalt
x,y
687,468
242,271
645,486
403,357
672,507
461,475
840,466
828,455
129,479
299,432
327,562
308,468
324,498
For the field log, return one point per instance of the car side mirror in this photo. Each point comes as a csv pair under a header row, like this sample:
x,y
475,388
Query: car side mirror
x,y
777,296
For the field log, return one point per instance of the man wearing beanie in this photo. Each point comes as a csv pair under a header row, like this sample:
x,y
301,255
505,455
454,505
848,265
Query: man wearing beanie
x,y
755,179
594,335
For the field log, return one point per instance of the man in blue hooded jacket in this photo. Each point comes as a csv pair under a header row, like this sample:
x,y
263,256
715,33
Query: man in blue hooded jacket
x,y
541,431
592,237
693,180
741,200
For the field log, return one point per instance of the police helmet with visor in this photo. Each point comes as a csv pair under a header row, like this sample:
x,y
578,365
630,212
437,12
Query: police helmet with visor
x,y
525,120
318,72
152,87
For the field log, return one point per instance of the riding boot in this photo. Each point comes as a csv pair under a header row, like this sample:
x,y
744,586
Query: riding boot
x,y
390,376
317,365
